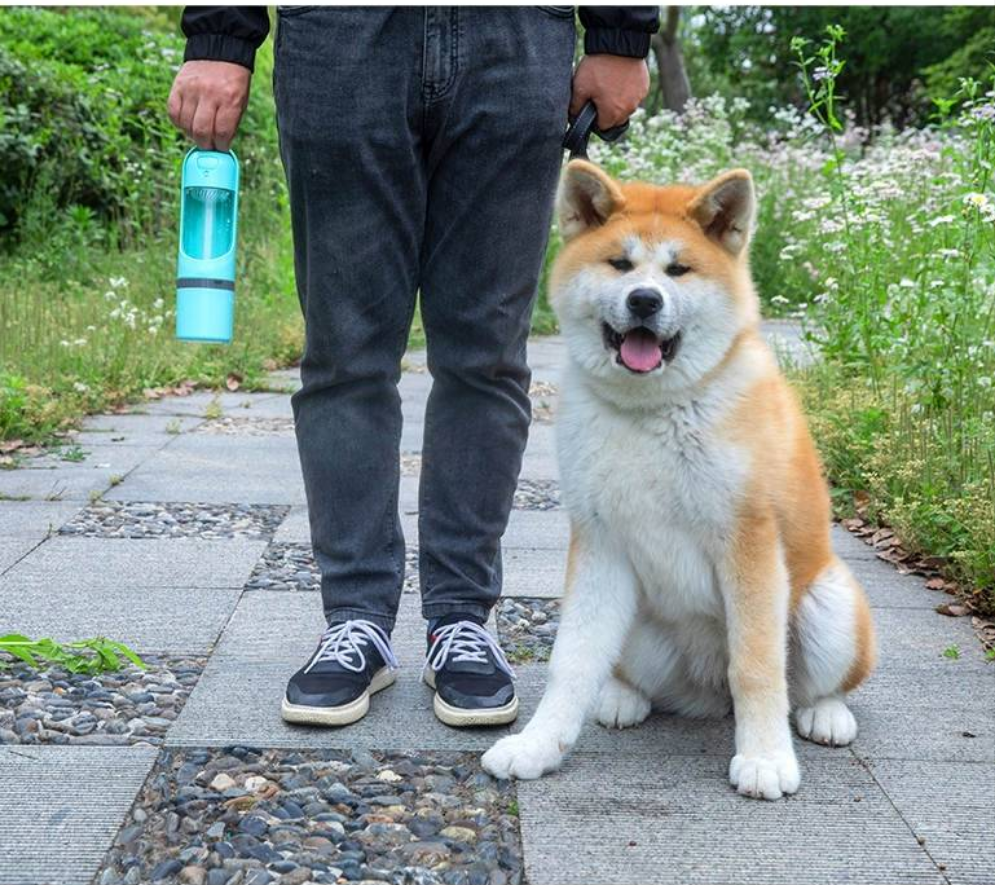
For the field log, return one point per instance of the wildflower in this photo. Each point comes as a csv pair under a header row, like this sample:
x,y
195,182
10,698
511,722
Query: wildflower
x,y
80,387
118,282
979,201
942,219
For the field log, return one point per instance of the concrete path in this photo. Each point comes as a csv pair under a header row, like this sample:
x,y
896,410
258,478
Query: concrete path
x,y
185,535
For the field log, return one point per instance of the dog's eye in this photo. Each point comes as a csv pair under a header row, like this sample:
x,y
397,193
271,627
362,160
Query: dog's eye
x,y
677,270
622,265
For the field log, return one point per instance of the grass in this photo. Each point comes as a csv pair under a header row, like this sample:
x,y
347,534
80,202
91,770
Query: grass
x,y
87,267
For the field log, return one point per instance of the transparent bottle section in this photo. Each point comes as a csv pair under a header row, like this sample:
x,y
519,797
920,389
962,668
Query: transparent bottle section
x,y
208,222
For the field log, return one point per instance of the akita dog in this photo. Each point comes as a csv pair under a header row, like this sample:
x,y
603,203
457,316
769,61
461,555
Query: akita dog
x,y
700,568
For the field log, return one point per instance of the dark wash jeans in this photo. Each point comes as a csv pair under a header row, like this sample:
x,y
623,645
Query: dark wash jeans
x,y
422,148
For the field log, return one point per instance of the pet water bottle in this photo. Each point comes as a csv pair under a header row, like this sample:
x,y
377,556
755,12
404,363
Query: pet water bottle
x,y
205,268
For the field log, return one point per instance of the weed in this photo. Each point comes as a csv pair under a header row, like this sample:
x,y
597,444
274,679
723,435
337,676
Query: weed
x,y
97,655
952,652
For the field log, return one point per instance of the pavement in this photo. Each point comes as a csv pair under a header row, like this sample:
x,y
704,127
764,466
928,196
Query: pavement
x,y
909,802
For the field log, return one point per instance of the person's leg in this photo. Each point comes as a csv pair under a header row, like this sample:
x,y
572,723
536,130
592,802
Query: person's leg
x,y
497,113
349,112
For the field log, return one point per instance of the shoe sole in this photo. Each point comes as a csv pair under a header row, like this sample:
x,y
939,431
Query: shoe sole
x,y
346,714
458,717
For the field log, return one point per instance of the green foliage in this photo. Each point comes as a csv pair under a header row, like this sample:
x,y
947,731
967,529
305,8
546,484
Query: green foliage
x,y
88,235
897,56
84,135
98,655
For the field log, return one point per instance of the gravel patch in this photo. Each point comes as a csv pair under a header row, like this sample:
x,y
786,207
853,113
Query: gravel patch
x,y
527,627
119,519
242,816
129,706
537,494
543,401
291,567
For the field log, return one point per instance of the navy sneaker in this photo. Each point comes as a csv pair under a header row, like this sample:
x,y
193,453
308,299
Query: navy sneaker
x,y
470,674
353,661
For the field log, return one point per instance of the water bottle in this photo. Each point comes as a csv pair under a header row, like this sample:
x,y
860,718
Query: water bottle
x,y
205,267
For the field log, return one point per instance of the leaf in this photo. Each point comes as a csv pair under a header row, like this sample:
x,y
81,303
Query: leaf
x,y
953,609
234,381
935,584
129,654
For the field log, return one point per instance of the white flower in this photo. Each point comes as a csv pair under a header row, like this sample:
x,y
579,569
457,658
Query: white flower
x,y
118,282
942,219
80,387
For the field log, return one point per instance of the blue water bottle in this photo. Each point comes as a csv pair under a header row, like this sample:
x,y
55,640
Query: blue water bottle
x,y
205,268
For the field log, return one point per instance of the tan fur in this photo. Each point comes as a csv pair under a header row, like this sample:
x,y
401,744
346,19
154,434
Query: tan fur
x,y
788,482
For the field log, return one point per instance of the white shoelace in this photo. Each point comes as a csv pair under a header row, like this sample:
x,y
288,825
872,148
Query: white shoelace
x,y
343,642
465,641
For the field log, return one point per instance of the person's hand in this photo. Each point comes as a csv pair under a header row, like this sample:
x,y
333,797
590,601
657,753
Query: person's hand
x,y
614,83
207,101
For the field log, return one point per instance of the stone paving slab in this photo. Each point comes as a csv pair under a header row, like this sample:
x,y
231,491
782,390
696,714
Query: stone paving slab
x,y
35,519
203,401
12,549
622,820
115,462
63,484
60,808
133,429
96,563
215,475
533,572
180,620
949,804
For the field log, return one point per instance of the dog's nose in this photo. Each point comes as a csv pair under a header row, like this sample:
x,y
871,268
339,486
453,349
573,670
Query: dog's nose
x,y
644,302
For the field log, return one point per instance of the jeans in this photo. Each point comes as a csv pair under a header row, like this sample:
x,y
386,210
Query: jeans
x,y
422,148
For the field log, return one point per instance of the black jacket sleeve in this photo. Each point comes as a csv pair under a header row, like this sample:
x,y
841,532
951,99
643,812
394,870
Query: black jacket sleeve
x,y
224,33
619,30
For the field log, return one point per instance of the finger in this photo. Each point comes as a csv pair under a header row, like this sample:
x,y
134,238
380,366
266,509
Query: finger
x,y
578,98
226,125
174,106
188,108
609,117
203,124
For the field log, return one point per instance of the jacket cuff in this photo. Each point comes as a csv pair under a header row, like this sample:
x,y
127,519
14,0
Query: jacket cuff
x,y
220,47
615,41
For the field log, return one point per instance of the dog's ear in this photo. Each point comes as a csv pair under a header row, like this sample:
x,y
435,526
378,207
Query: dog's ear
x,y
724,209
587,198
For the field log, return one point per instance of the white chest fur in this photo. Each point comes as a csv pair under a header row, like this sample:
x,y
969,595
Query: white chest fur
x,y
662,484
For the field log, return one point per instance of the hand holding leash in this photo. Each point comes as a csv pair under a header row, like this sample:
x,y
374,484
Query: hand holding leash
x,y
581,128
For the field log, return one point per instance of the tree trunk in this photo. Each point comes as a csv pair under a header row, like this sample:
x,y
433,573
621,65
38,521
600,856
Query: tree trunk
x,y
675,90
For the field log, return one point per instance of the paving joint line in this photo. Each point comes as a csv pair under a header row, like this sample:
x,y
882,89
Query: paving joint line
x,y
863,763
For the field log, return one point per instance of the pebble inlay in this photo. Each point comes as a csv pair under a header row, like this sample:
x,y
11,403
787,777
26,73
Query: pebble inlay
x,y
291,567
527,627
252,817
128,706
119,519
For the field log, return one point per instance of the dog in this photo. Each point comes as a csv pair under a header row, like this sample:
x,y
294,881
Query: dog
x,y
700,569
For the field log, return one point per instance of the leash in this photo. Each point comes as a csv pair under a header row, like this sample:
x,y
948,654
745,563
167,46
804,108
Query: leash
x,y
583,126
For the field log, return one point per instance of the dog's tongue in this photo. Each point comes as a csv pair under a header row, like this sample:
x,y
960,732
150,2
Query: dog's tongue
x,y
640,351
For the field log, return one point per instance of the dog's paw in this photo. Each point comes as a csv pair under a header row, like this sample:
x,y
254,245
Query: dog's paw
x,y
621,706
522,756
765,777
829,722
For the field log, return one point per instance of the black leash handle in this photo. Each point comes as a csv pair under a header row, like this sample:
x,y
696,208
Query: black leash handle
x,y
581,128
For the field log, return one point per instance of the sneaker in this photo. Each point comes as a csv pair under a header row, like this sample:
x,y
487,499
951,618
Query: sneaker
x,y
353,661
470,674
